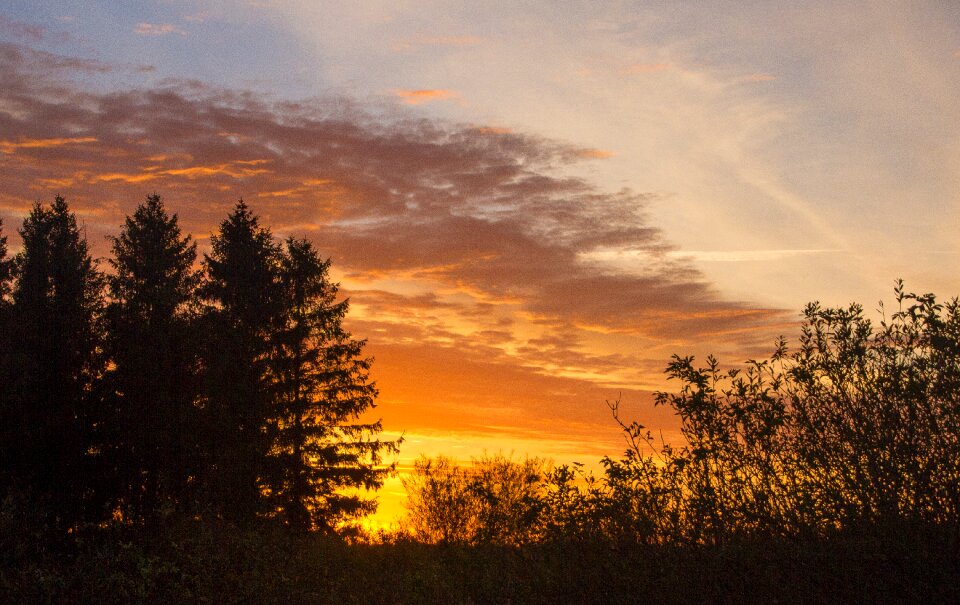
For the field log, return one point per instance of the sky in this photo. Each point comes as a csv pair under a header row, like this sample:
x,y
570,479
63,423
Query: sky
x,y
531,205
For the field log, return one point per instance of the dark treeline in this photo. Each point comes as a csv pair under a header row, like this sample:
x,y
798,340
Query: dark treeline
x,y
155,390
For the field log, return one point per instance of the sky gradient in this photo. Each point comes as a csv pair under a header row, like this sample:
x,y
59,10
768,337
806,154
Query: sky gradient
x,y
530,207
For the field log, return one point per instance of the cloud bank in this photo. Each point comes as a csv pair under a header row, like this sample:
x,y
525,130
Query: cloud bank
x,y
463,247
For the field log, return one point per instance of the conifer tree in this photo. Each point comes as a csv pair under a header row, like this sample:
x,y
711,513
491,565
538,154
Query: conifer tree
x,y
241,288
320,445
55,349
155,375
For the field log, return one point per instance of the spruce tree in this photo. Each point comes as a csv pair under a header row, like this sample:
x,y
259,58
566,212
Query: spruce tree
x,y
155,374
241,289
322,451
56,353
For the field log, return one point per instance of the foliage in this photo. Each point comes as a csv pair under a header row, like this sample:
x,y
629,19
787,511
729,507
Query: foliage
x,y
857,429
214,562
319,445
154,378
50,409
6,269
162,393
860,426
241,286
493,501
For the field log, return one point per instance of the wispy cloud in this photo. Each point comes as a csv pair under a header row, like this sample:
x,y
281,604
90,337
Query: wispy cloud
x,y
9,147
417,97
157,29
44,62
19,29
595,154
737,256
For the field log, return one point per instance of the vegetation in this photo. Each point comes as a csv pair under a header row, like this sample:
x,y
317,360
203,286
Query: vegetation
x,y
158,392
857,429
171,434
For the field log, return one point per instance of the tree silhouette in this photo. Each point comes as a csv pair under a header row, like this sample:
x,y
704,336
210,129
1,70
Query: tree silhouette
x,y
6,270
154,378
7,369
55,349
494,500
241,287
322,387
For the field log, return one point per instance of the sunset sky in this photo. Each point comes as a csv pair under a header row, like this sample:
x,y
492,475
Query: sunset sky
x,y
531,205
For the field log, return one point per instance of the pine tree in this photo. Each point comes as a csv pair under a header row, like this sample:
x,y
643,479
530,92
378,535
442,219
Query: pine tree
x,y
155,374
322,451
55,350
241,288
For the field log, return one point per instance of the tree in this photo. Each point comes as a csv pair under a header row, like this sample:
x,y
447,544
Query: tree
x,y
322,451
7,371
858,427
55,347
155,374
495,500
241,287
6,270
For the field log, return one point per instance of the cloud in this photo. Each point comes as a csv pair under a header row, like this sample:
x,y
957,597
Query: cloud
x,y
157,29
21,30
19,62
484,213
12,146
739,256
417,97
466,250
595,154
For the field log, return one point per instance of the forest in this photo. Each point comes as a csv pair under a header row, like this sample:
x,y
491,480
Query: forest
x,y
185,429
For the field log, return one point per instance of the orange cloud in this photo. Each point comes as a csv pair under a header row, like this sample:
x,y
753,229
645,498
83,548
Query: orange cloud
x,y
416,97
493,130
237,169
595,154
9,147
